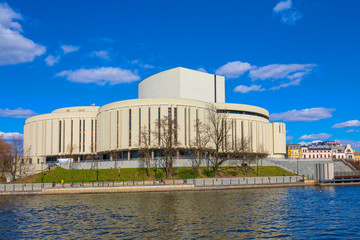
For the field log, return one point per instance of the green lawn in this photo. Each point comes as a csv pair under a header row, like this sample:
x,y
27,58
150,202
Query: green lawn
x,y
128,174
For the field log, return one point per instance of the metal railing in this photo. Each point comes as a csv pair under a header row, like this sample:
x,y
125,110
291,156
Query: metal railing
x,y
206,182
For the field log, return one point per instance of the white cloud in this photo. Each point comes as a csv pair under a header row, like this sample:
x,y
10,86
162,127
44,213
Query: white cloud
x,y
319,136
201,70
16,113
291,17
303,115
278,71
283,5
246,89
100,76
289,138
288,84
147,66
352,130
293,73
11,135
51,60
14,47
353,143
69,48
233,69
101,54
350,123
288,15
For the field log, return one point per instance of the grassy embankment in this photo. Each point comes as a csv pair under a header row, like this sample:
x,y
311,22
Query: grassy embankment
x,y
139,174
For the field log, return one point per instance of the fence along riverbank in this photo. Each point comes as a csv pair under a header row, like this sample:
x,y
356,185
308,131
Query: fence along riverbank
x,y
175,184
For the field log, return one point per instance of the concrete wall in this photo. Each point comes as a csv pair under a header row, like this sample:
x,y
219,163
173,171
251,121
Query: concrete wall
x,y
184,83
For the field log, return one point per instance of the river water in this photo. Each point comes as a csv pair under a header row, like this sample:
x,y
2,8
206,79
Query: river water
x,y
279,213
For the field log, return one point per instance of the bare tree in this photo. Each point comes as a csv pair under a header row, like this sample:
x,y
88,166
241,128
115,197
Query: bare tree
x,y
5,156
145,148
20,160
70,149
225,146
200,145
218,130
165,134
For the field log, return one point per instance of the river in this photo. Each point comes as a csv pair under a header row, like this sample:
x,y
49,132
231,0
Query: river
x,y
279,213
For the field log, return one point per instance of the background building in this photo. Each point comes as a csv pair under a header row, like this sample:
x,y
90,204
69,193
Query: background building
x,y
113,130
328,150
293,151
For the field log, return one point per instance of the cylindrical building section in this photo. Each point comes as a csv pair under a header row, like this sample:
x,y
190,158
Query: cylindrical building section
x,y
120,124
65,131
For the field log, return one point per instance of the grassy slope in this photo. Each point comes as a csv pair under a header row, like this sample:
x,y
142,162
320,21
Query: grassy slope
x,y
127,174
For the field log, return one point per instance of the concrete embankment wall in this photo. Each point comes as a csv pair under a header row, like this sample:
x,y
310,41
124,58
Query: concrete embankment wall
x,y
154,163
165,185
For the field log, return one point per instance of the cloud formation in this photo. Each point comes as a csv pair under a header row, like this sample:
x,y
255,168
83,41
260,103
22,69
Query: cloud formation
x,y
100,76
246,89
14,47
11,135
289,138
319,136
16,113
352,130
281,6
201,70
350,123
353,143
69,48
101,54
233,69
303,115
51,60
278,71
288,14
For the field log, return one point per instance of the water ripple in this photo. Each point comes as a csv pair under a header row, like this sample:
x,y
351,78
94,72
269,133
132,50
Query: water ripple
x,y
278,213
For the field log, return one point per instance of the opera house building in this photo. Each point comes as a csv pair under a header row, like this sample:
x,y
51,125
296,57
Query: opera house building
x,y
111,132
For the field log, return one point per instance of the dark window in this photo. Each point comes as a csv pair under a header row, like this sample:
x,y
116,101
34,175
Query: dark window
x,y
84,135
60,136
129,127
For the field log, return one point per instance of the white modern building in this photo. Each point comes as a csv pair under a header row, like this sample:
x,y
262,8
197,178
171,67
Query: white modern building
x,y
112,131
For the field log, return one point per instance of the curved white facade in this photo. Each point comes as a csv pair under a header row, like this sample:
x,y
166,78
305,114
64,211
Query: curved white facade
x,y
113,129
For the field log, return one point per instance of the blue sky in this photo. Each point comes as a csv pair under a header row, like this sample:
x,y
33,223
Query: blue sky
x,y
298,59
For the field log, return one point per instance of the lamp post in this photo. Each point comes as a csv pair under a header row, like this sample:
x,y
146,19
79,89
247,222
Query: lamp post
x,y
297,166
42,172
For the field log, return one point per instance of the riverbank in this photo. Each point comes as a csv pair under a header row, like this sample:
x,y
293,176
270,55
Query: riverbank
x,y
163,188
139,174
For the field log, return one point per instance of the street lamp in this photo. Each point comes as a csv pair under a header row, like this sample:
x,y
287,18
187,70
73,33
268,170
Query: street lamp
x,y
297,166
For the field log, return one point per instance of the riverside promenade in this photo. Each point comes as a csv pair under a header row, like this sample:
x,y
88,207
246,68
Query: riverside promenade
x,y
152,186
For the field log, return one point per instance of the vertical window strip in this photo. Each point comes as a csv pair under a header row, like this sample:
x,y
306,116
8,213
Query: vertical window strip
x,y
169,123
129,127
59,136
84,135
149,124
80,135
185,125
64,136
92,135
139,125
175,124
117,129
95,133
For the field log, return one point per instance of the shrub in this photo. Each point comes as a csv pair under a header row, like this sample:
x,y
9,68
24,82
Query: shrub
x,y
159,174
188,173
233,173
209,173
